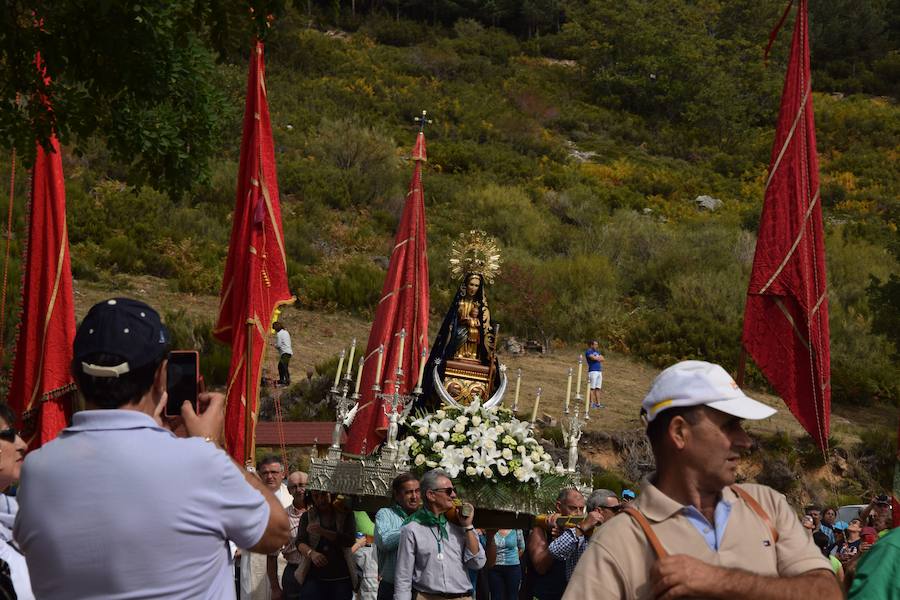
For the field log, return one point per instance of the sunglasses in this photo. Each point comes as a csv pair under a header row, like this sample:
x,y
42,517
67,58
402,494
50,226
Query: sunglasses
x,y
449,491
615,509
9,434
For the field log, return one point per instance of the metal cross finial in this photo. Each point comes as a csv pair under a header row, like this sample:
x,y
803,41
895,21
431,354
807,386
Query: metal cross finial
x,y
423,120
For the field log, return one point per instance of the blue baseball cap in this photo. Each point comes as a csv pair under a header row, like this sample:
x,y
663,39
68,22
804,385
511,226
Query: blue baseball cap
x,y
628,494
128,330
841,526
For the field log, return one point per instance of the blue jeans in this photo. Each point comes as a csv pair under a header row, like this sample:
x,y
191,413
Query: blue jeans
x,y
504,581
289,584
316,589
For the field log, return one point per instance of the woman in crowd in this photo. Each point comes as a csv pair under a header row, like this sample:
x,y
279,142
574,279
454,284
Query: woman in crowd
x,y
325,539
14,581
503,549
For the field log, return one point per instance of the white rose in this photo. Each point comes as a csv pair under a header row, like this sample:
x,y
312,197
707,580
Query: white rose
x,y
423,431
470,471
476,420
459,428
489,444
507,454
487,472
519,474
467,451
420,459
536,456
503,470
438,446
440,414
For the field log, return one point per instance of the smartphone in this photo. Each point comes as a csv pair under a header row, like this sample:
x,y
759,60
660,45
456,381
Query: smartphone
x,y
182,380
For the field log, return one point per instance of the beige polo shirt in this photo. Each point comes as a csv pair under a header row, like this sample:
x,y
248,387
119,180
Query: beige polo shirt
x,y
618,559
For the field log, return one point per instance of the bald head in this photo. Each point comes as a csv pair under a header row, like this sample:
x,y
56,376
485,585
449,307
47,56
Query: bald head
x,y
296,485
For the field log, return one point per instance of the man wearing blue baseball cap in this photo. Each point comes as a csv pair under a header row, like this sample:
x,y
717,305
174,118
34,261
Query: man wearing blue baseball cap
x,y
693,533
628,496
117,506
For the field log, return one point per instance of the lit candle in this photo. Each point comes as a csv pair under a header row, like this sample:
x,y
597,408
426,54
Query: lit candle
x,y
337,375
380,364
350,358
569,390
537,401
400,349
359,369
518,381
580,364
421,368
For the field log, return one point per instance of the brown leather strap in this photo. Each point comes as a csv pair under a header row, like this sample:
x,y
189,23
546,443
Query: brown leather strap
x,y
642,521
759,510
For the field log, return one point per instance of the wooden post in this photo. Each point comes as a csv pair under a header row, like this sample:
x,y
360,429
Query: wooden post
x,y
249,458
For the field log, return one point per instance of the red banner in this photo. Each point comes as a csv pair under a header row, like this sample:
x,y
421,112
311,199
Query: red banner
x,y
404,304
255,281
786,317
42,385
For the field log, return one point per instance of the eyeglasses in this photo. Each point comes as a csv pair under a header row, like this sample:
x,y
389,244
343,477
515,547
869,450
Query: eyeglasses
x,y
616,509
448,490
9,434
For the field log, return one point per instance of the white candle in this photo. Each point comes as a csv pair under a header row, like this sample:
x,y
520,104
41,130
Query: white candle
x,y
587,399
337,375
537,401
518,381
350,358
362,361
421,368
580,364
400,349
569,390
380,363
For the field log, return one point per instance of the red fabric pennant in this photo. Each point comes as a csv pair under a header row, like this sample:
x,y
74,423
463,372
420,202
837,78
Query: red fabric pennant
x,y
786,316
255,282
42,385
404,304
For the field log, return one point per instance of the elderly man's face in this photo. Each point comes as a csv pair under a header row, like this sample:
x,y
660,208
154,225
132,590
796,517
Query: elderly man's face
x,y
296,484
611,508
713,447
272,475
572,504
441,498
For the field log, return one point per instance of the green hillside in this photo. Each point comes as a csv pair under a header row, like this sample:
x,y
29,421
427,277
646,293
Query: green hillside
x,y
578,134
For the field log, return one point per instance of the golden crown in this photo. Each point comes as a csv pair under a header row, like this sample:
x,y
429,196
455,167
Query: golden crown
x,y
475,252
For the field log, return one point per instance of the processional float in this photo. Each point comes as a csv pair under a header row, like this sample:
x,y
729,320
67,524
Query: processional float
x,y
452,415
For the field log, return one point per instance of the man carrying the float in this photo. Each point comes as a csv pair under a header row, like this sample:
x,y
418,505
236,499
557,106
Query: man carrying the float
x,y
434,553
693,533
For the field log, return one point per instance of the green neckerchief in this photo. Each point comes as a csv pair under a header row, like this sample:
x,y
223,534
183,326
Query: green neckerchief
x,y
425,517
398,510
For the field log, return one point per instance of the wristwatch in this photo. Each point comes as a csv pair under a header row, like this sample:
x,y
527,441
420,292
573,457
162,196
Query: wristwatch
x,y
470,528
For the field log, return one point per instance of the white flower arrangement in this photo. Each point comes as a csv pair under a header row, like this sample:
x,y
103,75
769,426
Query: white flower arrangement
x,y
477,443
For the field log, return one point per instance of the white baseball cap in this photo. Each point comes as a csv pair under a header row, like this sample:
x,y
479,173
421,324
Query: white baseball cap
x,y
696,382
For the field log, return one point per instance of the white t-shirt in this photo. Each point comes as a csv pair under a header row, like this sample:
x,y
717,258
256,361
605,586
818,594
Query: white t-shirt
x,y
283,342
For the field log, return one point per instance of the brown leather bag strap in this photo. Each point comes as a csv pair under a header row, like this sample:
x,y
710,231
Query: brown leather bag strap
x,y
759,510
644,524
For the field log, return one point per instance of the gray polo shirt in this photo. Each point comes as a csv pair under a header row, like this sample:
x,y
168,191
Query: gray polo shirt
x,y
420,567
117,507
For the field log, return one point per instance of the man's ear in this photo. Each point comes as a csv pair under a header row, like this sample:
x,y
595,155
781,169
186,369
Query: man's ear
x,y
159,378
679,432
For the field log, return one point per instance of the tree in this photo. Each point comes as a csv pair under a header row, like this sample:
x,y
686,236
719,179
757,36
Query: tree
x,y
139,74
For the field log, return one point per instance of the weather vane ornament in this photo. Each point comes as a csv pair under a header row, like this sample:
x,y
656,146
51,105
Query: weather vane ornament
x,y
475,252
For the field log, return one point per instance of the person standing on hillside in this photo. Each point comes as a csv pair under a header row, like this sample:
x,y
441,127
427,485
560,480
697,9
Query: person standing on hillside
x,y
693,533
595,372
285,352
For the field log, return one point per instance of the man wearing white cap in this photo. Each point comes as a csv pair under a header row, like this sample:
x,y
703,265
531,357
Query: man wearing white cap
x,y
692,533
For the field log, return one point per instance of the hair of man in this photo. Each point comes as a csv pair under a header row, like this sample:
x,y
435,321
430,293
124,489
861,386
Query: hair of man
x,y
658,428
114,392
269,459
598,498
399,480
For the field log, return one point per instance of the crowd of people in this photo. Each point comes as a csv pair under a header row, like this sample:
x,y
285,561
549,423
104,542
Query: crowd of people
x,y
119,507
